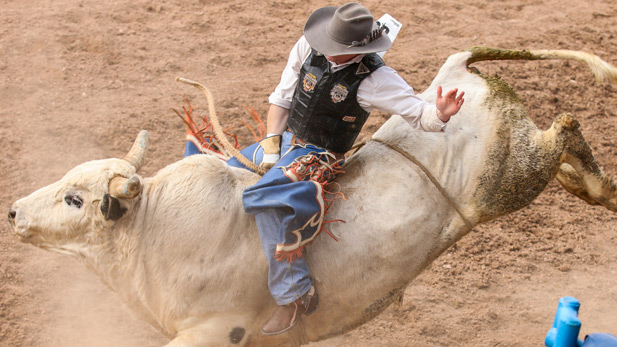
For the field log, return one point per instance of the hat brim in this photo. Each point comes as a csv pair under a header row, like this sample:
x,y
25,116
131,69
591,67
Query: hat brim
x,y
317,36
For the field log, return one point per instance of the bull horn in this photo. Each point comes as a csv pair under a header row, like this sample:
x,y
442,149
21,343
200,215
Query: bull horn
x,y
136,155
125,188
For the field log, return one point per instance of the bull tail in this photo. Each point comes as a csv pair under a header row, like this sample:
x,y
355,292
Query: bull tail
x,y
602,70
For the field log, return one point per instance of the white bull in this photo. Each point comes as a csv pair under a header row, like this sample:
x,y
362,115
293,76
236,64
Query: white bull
x,y
180,251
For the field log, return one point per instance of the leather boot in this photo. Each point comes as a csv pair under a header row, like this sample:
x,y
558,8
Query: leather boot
x,y
286,316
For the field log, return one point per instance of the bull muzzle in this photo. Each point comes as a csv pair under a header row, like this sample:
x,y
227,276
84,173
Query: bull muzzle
x,y
12,215
19,224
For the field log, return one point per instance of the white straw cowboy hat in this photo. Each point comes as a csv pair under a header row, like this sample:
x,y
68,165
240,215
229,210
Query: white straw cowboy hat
x,y
348,29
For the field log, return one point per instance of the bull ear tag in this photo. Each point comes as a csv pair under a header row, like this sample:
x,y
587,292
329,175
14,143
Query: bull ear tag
x,y
111,208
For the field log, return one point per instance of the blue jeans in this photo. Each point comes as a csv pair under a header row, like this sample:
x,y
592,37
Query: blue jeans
x,y
281,205
287,281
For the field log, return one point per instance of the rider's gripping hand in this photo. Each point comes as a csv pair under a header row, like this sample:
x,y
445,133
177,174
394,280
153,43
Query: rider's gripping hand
x,y
272,151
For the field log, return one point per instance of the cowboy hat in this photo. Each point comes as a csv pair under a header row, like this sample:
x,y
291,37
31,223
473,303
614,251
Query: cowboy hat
x,y
348,29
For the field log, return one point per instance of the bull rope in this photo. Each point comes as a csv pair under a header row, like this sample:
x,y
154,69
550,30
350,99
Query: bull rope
x,y
428,174
218,129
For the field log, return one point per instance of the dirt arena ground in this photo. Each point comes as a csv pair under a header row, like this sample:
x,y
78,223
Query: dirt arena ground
x,y
80,78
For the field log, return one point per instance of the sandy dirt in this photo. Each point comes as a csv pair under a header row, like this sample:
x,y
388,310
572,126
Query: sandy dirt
x,y
80,78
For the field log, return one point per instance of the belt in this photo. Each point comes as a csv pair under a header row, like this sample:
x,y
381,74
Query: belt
x,y
297,140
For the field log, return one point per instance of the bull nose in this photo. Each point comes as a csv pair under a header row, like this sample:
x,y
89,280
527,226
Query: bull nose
x,y
12,215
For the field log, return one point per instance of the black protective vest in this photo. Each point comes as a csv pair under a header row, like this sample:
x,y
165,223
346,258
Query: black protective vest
x,y
325,110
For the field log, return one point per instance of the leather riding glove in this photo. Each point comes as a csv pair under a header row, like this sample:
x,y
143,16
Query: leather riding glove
x,y
272,151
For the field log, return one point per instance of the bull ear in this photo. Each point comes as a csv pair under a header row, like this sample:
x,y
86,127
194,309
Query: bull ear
x,y
111,208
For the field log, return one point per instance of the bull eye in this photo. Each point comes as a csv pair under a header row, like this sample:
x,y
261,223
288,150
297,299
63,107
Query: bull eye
x,y
74,200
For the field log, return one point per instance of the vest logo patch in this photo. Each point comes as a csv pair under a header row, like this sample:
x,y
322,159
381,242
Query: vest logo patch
x,y
338,93
309,82
349,119
362,69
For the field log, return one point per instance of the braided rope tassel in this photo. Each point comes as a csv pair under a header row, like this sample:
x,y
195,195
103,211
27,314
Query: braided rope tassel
x,y
372,36
218,130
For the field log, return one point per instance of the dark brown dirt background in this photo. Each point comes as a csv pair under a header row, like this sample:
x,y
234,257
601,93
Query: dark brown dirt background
x,y
79,79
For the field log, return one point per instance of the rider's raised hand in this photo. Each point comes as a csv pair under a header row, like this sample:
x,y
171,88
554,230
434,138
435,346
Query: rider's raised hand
x,y
449,104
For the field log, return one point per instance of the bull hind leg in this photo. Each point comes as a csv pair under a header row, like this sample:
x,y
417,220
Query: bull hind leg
x,y
579,173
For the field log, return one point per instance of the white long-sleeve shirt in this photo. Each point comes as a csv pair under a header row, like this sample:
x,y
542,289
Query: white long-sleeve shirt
x,y
382,90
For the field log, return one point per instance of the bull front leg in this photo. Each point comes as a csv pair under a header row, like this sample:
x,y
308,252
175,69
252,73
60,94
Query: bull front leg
x,y
579,173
